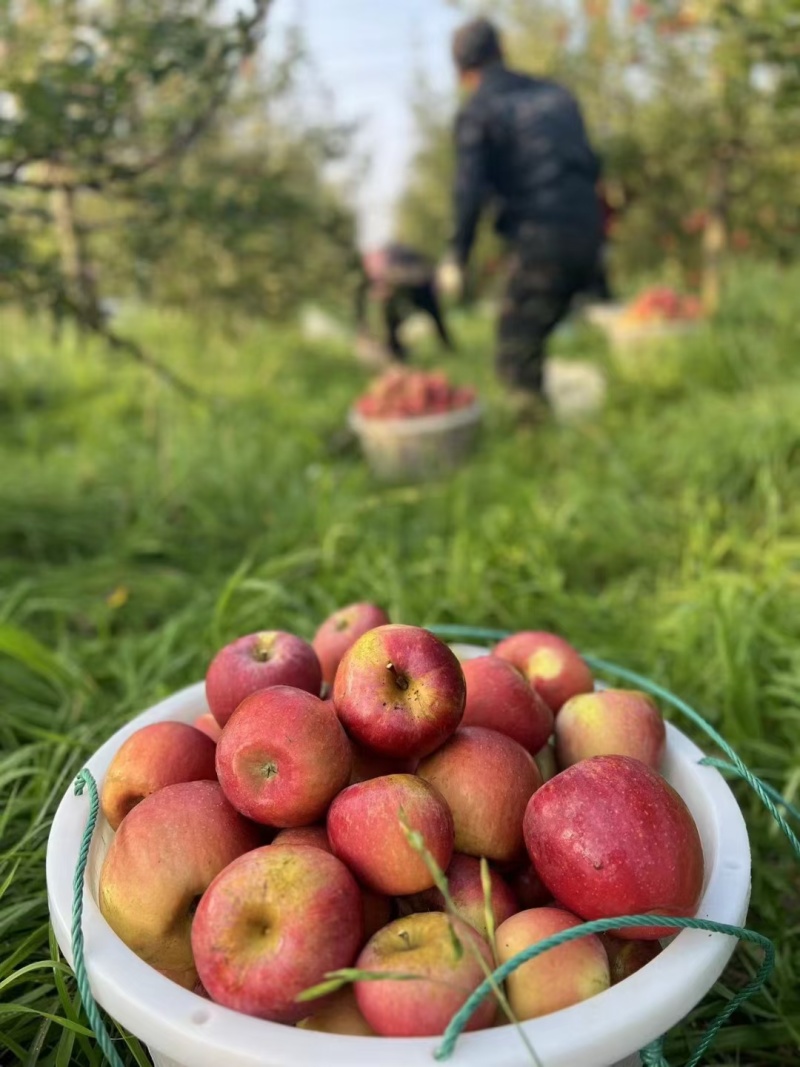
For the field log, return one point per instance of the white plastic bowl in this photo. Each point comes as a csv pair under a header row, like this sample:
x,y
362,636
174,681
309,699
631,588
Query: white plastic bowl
x,y
184,1030
421,446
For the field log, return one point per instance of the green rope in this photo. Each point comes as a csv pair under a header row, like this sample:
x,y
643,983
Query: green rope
x,y
779,798
654,1053
79,964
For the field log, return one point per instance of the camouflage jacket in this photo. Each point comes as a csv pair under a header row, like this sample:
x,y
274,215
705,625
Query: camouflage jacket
x,y
521,145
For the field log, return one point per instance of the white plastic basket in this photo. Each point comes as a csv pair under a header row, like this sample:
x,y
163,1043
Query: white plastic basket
x,y
184,1030
417,447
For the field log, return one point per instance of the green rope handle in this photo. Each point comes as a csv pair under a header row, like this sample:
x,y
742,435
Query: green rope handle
x,y
654,1051
85,779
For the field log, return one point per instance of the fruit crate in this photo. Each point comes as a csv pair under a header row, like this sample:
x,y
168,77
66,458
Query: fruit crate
x,y
182,1029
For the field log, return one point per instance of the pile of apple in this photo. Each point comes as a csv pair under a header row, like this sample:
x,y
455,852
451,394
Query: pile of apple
x,y
290,834
659,303
403,394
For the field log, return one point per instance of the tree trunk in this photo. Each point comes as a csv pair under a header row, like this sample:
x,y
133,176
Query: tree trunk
x,y
75,263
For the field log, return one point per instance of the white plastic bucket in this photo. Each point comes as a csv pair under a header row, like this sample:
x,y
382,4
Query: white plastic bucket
x,y
420,446
184,1030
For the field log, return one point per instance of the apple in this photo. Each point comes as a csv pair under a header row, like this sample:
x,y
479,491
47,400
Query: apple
x,y
158,755
609,836
376,909
283,756
367,764
338,1014
561,976
627,957
208,725
315,836
466,892
259,661
365,832
500,698
273,923
399,691
422,945
160,862
551,665
487,780
529,889
341,630
612,722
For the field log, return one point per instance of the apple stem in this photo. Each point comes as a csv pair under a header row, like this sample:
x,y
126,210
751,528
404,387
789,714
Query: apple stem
x,y
400,680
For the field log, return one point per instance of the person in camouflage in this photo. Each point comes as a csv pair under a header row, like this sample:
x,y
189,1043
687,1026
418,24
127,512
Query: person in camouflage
x,y
401,281
521,145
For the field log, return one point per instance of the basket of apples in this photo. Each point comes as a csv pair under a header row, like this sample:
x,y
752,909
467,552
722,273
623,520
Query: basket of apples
x,y
657,314
413,424
318,854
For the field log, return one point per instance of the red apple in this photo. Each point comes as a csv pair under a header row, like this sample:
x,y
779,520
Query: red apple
x,y
283,757
612,722
551,665
561,976
466,892
611,837
160,862
487,780
365,831
161,754
422,945
208,725
500,698
399,691
273,923
259,661
341,630
627,957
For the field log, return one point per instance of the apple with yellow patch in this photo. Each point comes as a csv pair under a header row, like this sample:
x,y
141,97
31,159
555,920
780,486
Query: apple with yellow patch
x,y
162,859
611,722
559,977
552,666
161,754
341,630
399,691
423,945
271,925
338,1014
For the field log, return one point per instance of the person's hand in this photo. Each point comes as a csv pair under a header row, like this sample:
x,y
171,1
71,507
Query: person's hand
x,y
450,279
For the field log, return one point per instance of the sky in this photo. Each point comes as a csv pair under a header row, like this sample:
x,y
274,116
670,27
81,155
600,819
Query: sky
x,y
367,55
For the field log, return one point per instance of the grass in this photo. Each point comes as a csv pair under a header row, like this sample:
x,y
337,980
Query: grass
x,y
138,532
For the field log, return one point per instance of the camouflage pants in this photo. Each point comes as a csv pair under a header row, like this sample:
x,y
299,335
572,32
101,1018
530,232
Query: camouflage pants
x,y
546,269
